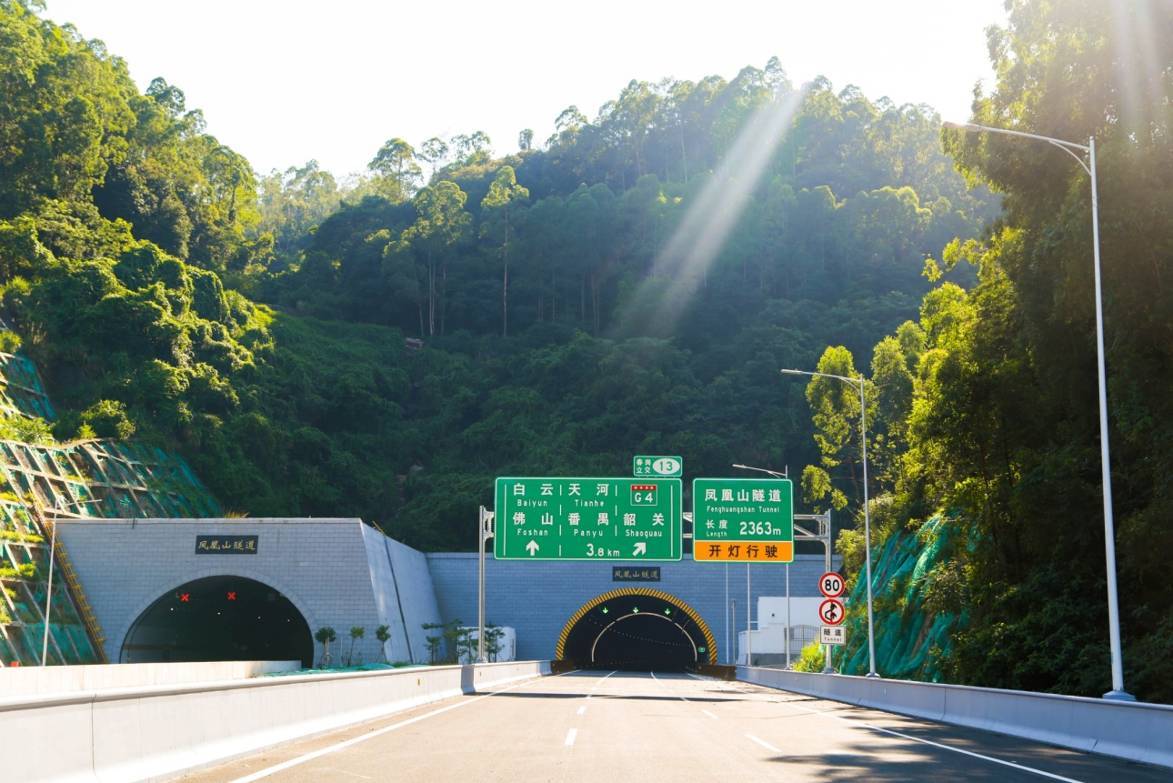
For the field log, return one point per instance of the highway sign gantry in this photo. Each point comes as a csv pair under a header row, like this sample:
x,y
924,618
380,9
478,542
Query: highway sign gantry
x,y
743,520
831,611
572,518
831,584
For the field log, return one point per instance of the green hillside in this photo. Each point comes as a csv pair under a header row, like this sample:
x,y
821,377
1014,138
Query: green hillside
x,y
633,284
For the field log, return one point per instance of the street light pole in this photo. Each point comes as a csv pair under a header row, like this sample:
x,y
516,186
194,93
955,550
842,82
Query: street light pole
x,y
1117,691
867,523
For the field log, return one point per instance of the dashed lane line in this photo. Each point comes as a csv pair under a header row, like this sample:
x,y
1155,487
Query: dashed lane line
x,y
570,735
764,744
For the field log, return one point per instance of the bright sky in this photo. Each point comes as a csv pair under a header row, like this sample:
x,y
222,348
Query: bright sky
x,y
286,81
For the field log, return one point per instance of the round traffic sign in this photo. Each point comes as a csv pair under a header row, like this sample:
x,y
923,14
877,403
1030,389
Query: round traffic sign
x,y
831,611
831,584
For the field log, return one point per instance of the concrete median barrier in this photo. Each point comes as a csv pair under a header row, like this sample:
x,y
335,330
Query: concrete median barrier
x,y
156,732
1132,730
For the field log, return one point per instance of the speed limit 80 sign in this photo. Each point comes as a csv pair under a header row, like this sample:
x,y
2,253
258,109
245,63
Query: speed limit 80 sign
x,y
831,585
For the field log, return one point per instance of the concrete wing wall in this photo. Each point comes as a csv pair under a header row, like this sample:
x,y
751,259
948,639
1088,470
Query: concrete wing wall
x,y
404,595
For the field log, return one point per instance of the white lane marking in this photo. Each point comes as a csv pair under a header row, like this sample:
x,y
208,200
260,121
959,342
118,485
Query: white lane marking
x,y
582,710
711,715
264,773
662,685
1015,765
861,725
695,677
764,744
570,735
596,685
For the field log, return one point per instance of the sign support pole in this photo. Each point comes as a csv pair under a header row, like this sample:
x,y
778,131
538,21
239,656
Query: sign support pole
x,y
827,667
823,536
748,621
485,519
788,615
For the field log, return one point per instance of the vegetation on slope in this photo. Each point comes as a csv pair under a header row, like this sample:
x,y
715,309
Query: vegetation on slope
x,y
985,408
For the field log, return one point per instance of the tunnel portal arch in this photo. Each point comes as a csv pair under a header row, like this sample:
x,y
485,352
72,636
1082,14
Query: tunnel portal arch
x,y
217,618
637,628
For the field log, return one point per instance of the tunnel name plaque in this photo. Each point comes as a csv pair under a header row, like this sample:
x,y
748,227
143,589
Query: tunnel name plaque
x,y
743,520
626,519
226,545
635,573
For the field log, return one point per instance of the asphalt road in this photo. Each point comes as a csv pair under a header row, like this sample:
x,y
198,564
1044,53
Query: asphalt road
x,y
628,726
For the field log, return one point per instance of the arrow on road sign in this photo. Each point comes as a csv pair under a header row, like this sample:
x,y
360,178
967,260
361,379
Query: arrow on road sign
x,y
831,611
641,548
532,547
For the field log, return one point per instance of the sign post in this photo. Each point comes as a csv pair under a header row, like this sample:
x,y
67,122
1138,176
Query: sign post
x,y
832,586
588,519
743,520
484,533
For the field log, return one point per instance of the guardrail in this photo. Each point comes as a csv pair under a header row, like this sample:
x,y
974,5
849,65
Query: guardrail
x,y
144,733
1136,731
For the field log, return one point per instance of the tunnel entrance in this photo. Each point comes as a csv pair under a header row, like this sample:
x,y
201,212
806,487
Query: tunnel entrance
x,y
220,618
637,629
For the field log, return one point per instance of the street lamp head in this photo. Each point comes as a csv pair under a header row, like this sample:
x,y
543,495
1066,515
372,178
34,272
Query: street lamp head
x,y
791,372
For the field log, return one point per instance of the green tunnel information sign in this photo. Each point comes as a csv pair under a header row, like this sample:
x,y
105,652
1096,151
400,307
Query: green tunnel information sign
x,y
743,520
587,519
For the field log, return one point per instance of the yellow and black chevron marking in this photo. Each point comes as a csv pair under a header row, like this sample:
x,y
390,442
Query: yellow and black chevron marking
x,y
693,615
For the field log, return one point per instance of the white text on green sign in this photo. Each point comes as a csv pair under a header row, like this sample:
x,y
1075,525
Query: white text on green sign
x,y
588,519
743,520
657,467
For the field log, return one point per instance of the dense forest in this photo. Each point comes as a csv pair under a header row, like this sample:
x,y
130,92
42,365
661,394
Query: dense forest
x,y
383,347
985,405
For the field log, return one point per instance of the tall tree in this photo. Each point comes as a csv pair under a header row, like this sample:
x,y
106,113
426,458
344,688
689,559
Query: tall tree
x,y
501,205
440,226
395,162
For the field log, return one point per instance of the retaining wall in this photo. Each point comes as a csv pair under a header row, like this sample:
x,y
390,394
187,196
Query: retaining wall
x,y
156,732
1132,730
47,680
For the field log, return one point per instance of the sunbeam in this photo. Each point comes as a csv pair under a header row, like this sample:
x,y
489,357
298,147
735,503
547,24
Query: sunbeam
x,y
1139,64
682,264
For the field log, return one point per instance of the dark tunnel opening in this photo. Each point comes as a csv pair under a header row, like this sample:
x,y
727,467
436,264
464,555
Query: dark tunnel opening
x,y
220,618
637,632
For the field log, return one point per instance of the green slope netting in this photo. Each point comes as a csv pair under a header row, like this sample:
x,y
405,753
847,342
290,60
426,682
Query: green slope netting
x,y
21,390
83,479
909,638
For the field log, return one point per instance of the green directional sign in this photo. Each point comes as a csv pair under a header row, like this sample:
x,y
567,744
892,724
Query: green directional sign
x,y
657,467
588,519
743,520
